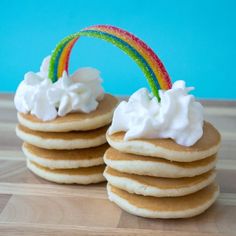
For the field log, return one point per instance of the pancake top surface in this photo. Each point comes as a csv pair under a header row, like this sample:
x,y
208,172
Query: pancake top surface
x,y
76,154
76,171
115,155
72,135
162,183
211,137
106,105
186,202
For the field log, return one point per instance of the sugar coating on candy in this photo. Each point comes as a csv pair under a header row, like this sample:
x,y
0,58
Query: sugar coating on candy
x,y
140,52
130,51
143,48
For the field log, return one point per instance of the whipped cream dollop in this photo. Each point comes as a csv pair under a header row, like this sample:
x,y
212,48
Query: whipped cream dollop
x,y
177,116
80,92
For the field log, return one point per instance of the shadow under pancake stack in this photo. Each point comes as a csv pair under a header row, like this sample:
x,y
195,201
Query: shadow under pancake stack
x,y
68,149
157,178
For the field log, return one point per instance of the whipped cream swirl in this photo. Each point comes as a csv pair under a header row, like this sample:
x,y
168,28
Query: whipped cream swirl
x,y
178,116
80,92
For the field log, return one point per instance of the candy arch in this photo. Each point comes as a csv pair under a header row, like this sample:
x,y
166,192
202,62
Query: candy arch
x,y
143,55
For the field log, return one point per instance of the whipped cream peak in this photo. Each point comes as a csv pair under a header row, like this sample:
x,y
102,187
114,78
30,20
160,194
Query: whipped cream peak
x,y
90,77
85,74
33,79
31,96
80,92
177,116
44,67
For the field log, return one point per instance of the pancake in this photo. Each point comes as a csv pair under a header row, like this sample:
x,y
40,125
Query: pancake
x,y
156,186
65,159
68,140
87,175
169,149
159,167
74,121
164,207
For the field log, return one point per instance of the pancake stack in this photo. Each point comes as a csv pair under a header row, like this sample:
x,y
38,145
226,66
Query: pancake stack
x,y
68,149
157,178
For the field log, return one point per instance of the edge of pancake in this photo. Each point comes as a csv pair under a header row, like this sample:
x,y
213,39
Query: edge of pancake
x,y
143,186
115,155
70,140
58,176
65,159
158,169
167,148
130,207
90,134
74,121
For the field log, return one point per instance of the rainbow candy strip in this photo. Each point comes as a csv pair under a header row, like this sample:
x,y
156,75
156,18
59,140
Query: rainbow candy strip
x,y
143,55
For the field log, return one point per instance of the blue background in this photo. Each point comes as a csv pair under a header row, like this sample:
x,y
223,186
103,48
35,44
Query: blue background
x,y
195,40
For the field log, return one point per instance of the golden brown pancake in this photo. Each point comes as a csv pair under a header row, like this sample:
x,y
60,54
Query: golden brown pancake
x,y
65,135
115,155
157,186
153,166
62,159
71,155
206,146
63,140
78,171
85,175
165,207
74,121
